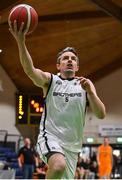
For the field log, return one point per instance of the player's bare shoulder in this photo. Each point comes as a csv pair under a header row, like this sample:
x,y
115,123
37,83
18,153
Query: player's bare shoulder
x,y
47,83
40,78
48,78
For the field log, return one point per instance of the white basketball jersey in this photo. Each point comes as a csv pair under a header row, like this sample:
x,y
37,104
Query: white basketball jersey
x,y
64,114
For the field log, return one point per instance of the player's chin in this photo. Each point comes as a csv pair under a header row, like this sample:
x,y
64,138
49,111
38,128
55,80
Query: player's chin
x,y
69,71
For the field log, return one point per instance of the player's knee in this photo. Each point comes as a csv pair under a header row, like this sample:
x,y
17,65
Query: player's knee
x,y
59,167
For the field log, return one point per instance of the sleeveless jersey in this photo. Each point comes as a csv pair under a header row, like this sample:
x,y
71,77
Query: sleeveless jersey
x,y
105,153
64,114
105,159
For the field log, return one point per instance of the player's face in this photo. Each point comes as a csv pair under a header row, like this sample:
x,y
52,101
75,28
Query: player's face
x,y
106,141
68,63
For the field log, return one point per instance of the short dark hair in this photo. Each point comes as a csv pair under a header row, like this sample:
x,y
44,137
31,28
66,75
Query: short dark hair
x,y
67,49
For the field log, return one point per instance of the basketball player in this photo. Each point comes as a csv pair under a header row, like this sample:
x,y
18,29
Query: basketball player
x,y
105,159
61,127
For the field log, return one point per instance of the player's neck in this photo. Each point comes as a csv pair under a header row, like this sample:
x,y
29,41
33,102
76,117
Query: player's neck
x,y
67,75
67,78
106,144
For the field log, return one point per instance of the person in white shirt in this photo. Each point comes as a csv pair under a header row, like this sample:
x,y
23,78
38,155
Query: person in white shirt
x,y
66,96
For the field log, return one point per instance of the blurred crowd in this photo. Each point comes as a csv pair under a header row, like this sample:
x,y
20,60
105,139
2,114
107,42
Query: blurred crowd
x,y
87,168
28,165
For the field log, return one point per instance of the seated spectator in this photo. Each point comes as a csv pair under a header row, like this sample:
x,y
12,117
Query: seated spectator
x,y
41,169
94,169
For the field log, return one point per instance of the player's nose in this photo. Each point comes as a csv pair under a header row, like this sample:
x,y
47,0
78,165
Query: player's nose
x,y
69,60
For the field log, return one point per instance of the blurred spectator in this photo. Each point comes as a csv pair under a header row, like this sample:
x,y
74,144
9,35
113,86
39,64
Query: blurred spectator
x,y
120,165
94,157
80,171
86,169
114,169
87,164
94,169
27,159
41,169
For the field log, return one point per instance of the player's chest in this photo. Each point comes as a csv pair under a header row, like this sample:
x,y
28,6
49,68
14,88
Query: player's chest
x,y
67,86
67,91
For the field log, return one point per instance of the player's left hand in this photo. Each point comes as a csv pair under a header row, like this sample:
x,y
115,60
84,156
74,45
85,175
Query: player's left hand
x,y
86,84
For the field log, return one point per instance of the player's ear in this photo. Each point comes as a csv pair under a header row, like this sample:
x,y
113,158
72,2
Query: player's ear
x,y
77,68
58,66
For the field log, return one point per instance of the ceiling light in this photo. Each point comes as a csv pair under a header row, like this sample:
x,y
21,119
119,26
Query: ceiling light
x,y
119,139
0,50
90,140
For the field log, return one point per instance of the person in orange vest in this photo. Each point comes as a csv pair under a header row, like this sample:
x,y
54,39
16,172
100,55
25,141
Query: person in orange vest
x,y
105,159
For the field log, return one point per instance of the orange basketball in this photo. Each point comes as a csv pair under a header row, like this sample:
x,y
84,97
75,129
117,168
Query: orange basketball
x,y
24,13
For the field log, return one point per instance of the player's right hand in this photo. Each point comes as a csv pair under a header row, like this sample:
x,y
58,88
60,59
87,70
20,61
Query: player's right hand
x,y
19,35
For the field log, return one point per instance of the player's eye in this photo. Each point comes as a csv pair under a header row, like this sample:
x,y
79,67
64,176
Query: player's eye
x,y
65,58
74,58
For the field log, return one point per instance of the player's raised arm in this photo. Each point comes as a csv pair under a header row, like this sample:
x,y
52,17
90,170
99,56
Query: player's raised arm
x,y
39,77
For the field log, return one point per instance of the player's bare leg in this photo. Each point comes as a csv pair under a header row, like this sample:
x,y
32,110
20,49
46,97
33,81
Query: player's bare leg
x,y
56,166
